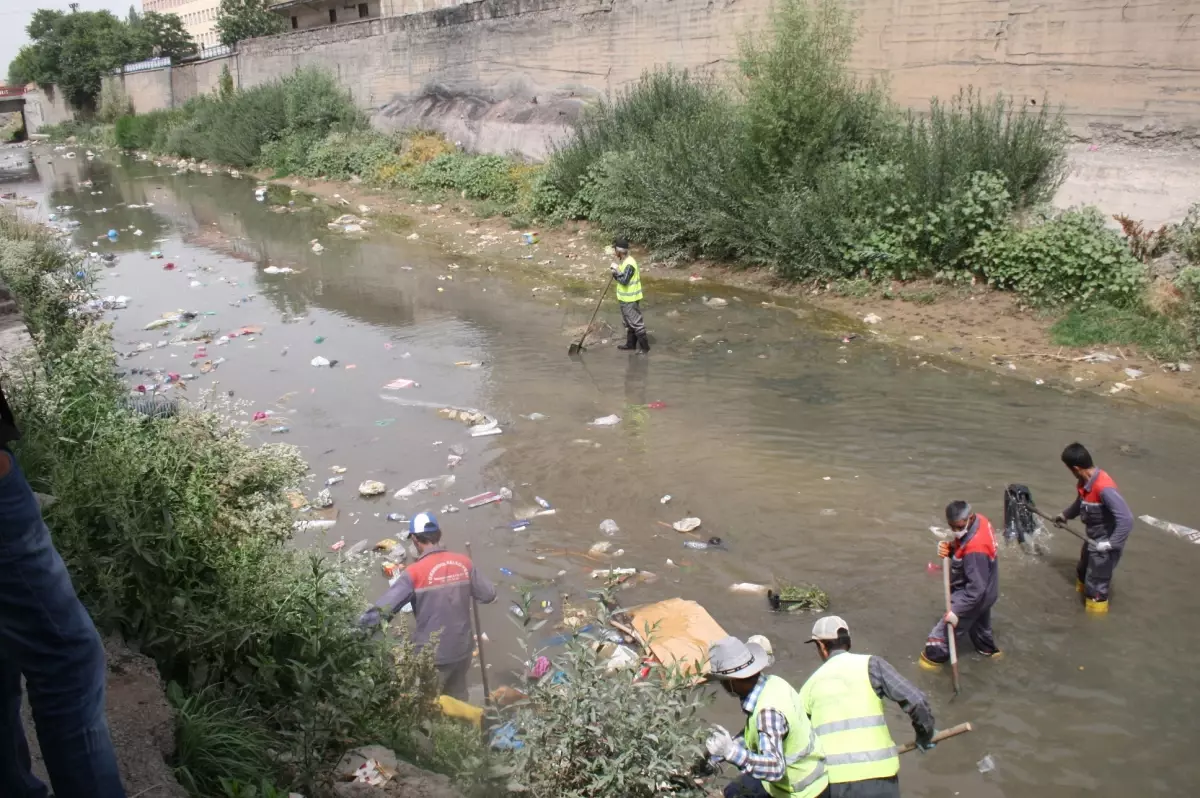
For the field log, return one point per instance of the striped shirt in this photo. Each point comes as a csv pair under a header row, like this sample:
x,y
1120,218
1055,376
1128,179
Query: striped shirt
x,y
768,764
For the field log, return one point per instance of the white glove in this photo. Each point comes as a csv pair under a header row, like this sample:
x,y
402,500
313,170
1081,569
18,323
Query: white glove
x,y
720,744
950,618
1104,545
614,268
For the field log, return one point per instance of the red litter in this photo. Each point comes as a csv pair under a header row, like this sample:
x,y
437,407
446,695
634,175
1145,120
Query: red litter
x,y
656,405
260,415
481,499
338,546
169,267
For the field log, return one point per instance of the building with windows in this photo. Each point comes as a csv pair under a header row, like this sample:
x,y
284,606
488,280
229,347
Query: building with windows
x,y
302,14
199,17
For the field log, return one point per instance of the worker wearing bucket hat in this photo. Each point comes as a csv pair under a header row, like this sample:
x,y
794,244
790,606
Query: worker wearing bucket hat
x,y
843,698
439,584
778,755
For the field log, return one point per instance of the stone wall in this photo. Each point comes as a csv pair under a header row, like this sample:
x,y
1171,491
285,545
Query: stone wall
x,y
45,107
148,90
510,74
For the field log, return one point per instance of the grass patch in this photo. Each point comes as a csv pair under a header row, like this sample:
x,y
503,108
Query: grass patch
x,y
1157,334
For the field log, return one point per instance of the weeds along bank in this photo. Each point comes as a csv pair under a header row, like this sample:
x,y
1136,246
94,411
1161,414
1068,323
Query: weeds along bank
x,y
788,163
173,531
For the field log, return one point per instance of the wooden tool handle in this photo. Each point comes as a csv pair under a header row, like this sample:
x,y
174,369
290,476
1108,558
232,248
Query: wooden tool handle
x,y
951,631
944,734
487,694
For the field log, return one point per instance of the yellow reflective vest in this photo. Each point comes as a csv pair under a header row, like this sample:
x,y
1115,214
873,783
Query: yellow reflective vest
x,y
804,776
848,719
633,291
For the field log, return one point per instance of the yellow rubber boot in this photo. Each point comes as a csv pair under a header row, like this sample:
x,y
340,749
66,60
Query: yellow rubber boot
x,y
928,664
1078,586
1095,605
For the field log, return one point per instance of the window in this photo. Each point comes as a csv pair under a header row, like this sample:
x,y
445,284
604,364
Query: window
x,y
332,16
362,10
295,23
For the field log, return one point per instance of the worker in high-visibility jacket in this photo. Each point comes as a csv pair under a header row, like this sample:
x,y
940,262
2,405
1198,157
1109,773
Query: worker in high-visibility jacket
x,y
779,755
843,698
1107,520
629,296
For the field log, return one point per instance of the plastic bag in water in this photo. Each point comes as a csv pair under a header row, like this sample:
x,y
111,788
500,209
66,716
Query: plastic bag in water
x,y
987,764
609,527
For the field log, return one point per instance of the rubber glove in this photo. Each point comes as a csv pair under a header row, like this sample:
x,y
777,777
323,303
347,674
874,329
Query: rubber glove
x,y
944,549
1060,520
950,618
720,744
370,618
1104,545
925,741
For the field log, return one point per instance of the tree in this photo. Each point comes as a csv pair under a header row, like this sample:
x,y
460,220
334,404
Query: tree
x,y
164,35
246,19
73,51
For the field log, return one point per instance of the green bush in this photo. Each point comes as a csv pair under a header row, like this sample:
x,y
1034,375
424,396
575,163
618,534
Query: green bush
x,y
1185,236
971,135
174,531
341,156
1072,257
600,733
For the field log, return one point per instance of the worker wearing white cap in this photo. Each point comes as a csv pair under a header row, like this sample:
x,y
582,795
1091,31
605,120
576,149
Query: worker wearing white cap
x,y
439,585
778,755
843,698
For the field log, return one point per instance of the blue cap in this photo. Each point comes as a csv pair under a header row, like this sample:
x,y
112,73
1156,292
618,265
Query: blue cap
x,y
423,522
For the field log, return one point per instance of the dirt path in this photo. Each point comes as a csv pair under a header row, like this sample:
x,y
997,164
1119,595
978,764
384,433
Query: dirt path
x,y
978,326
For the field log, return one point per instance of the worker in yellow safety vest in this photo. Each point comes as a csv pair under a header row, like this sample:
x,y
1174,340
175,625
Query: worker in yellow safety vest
x,y
779,755
843,698
629,296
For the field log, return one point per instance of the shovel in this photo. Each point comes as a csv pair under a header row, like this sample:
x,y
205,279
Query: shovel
x,y
576,348
945,734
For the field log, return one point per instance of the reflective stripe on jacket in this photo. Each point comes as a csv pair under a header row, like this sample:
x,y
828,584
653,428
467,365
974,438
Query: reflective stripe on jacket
x,y
848,719
1098,522
804,776
631,291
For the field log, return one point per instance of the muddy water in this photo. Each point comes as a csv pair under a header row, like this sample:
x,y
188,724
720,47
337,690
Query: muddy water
x,y
809,468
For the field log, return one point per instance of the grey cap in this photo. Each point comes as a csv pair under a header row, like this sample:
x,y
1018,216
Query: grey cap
x,y
730,658
827,628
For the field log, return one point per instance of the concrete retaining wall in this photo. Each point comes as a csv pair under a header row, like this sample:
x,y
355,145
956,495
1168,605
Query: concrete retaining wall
x,y
502,75
45,107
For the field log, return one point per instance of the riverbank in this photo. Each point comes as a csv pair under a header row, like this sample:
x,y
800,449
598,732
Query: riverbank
x,y
978,326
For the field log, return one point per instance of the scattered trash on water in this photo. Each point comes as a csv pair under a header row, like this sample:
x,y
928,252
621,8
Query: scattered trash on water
x,y
715,302
319,361
399,384
795,598
323,499
609,527
1134,374
337,546
1118,387
529,238
599,549
602,573
385,422
535,417
871,318
656,405
701,545
279,430
1187,533
665,499
545,505
334,480
987,764
337,469
385,545
481,499
483,430
397,517
421,485
1177,367
606,421
357,548
749,587
391,569
686,524
505,571
278,270
371,488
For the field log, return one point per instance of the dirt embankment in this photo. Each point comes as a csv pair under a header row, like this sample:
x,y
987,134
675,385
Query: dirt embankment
x,y
977,326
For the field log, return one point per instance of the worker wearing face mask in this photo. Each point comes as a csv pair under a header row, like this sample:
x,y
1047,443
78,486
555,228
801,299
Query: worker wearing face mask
x,y
974,586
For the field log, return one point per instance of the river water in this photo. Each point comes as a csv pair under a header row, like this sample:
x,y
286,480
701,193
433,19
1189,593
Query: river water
x,y
814,460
